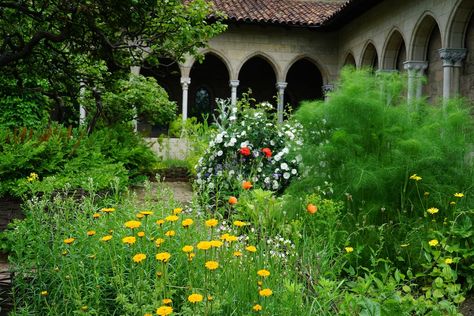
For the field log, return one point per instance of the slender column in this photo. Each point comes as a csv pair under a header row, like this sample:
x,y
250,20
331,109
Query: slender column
x,y
136,71
451,57
415,70
456,78
281,99
233,84
327,88
185,82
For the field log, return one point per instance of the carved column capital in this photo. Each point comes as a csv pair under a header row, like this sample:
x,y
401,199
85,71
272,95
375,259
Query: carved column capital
x,y
452,56
281,85
415,65
185,82
234,83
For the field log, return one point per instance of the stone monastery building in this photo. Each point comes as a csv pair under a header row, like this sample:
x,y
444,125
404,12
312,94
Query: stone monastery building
x,y
286,51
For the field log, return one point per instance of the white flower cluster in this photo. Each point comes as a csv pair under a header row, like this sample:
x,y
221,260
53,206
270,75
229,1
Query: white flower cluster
x,y
253,148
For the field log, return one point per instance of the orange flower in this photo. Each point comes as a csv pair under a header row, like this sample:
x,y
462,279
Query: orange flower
x,y
267,152
311,208
232,200
246,185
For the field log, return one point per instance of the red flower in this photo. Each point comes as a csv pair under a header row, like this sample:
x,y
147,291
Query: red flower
x,y
267,151
245,151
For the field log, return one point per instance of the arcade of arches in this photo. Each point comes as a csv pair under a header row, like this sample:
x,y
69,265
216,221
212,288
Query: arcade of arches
x,y
285,65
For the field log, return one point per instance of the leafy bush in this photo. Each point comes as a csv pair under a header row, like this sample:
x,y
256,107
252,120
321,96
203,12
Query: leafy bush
x,y
57,156
367,142
248,146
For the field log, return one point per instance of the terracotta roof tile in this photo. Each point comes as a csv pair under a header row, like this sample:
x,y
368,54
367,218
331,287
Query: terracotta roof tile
x,y
289,12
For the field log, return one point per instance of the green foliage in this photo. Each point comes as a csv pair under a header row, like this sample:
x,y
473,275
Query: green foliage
x,y
133,98
366,142
61,157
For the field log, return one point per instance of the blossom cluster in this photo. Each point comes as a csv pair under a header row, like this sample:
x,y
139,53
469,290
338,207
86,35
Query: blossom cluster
x,y
251,147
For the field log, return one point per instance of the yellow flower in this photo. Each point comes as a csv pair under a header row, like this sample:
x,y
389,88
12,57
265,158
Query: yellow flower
x,y
160,222
147,314
237,254
139,257
139,216
44,293
432,210
177,211
188,248
204,245
133,224
96,215
448,260
265,292
69,241
164,310
146,213
229,238
257,307
170,233
141,234
251,248
163,256
84,308
212,265
349,249
211,222
191,256
167,301
239,223
459,195
263,273
129,240
187,222
195,298
216,243
452,203
171,218
415,177
433,242
33,177
91,233
106,238
108,210
210,298
159,241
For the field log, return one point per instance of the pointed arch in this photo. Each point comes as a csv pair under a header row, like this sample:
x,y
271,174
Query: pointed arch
x,y
211,51
322,70
269,59
418,48
349,60
305,81
369,57
394,51
458,24
257,74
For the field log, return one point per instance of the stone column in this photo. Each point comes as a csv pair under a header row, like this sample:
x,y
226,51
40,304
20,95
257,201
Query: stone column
x,y
136,71
415,71
185,82
281,99
326,89
451,57
233,84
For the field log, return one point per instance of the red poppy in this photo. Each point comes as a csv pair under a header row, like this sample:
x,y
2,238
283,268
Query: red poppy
x,y
245,151
267,152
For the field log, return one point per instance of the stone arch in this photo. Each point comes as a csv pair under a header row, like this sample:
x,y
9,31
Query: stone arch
x,y
349,60
269,59
369,57
394,51
305,80
212,77
467,69
423,30
458,23
258,74
189,63
323,71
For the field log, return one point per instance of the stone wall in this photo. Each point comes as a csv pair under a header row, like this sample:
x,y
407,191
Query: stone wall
x,y
467,71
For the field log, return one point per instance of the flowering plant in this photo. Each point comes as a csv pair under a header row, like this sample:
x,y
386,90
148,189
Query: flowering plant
x,y
249,146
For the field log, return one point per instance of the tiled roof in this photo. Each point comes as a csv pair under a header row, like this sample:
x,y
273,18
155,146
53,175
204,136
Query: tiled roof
x,y
286,12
